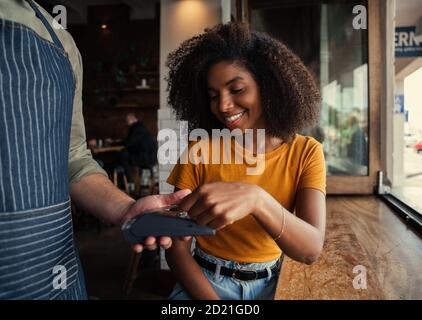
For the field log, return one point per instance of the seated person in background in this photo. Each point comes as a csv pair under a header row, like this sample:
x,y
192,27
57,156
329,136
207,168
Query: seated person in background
x,y
357,149
92,143
141,148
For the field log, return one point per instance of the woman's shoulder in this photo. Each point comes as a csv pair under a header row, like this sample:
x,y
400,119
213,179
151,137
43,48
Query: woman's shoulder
x,y
304,142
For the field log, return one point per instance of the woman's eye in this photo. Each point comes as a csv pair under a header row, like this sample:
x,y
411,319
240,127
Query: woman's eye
x,y
237,90
213,97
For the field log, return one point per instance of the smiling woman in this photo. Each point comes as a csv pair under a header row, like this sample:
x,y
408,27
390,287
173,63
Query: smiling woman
x,y
234,97
284,88
232,77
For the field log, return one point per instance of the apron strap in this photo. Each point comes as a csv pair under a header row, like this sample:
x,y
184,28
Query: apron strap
x,y
50,30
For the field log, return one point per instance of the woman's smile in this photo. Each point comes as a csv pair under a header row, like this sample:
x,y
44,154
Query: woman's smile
x,y
234,119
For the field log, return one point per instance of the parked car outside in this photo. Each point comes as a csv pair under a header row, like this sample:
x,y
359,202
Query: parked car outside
x,y
410,140
418,147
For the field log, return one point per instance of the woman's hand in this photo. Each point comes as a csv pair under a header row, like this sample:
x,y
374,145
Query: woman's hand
x,y
220,204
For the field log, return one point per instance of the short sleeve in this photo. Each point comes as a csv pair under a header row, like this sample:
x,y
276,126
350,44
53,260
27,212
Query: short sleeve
x,y
313,174
80,161
185,175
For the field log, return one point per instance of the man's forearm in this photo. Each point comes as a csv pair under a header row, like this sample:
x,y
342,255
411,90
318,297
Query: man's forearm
x,y
97,195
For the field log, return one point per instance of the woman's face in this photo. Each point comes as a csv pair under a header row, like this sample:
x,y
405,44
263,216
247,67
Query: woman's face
x,y
234,97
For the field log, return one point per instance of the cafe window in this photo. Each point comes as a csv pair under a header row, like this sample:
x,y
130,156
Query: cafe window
x,y
331,38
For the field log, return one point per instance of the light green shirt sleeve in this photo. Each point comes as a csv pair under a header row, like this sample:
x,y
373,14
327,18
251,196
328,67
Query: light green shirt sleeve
x,y
80,158
81,162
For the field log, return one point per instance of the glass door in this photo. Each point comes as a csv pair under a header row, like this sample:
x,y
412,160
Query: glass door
x,y
338,41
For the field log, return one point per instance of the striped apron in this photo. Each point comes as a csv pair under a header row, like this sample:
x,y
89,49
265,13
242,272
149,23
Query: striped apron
x,y
38,259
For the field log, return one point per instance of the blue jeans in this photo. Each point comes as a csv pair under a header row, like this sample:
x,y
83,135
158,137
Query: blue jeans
x,y
229,288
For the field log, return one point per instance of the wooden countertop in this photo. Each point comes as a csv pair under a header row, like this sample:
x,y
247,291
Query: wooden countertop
x,y
361,231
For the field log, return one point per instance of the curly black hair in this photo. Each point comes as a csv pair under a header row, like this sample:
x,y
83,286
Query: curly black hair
x,y
290,98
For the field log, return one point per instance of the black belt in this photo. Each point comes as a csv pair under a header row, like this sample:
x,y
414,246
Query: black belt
x,y
245,275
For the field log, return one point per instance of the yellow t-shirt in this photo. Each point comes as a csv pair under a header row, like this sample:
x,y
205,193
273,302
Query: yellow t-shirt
x,y
288,168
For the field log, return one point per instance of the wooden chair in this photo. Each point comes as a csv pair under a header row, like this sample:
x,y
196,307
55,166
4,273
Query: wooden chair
x,y
151,187
117,172
132,272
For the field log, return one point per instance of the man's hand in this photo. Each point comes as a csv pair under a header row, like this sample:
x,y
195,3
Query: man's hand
x,y
152,202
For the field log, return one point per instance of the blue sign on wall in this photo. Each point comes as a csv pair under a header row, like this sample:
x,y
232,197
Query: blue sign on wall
x,y
399,103
406,43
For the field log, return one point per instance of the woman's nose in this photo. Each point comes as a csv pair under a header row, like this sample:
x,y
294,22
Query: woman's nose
x,y
226,103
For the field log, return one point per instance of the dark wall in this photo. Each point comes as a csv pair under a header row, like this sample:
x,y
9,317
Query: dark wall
x,y
110,123
115,61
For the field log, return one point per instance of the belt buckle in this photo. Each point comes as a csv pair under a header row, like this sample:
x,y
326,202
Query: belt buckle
x,y
252,271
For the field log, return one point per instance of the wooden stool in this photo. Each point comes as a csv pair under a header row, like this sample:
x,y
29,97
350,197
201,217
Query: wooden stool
x,y
116,172
132,273
138,179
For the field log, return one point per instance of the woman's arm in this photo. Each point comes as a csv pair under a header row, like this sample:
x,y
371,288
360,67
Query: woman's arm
x,y
221,203
187,271
302,236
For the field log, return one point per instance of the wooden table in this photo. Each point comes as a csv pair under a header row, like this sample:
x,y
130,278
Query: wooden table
x,y
97,150
108,156
361,232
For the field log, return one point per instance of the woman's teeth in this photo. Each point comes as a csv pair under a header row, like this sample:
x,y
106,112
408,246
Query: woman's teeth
x,y
234,117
